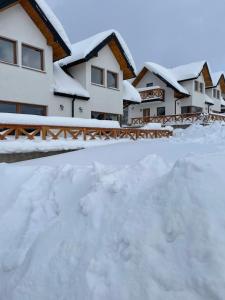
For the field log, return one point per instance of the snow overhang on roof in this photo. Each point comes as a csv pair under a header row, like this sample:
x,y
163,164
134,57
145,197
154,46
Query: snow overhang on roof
x,y
192,71
47,22
87,49
67,86
130,93
165,75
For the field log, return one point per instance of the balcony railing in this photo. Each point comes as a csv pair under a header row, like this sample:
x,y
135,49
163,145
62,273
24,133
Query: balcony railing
x,y
153,94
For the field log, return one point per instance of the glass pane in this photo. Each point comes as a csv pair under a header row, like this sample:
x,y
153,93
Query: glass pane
x,y
111,80
97,75
7,51
32,110
161,111
32,58
7,107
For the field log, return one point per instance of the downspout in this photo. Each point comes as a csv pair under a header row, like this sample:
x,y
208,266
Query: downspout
x,y
74,99
176,105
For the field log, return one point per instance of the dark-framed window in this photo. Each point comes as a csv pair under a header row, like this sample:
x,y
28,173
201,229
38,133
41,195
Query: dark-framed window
x,y
22,108
32,57
97,75
214,93
150,84
104,116
201,87
196,85
218,94
190,109
161,111
112,80
8,51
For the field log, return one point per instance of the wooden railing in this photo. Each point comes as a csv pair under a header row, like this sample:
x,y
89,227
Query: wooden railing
x,y
183,118
55,132
152,94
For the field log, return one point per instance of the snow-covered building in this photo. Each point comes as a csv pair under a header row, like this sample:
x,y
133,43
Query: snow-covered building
x,y
217,92
101,63
179,90
41,73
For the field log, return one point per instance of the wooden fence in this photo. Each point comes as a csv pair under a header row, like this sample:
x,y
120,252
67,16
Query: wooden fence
x,y
183,118
55,132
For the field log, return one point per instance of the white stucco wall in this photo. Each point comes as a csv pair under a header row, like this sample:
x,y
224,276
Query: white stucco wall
x,y
19,84
102,99
217,102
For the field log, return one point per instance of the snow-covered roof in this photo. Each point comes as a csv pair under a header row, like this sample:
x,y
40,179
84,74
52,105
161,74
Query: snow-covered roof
x,y
54,21
45,19
81,51
64,84
216,77
188,71
167,75
130,93
209,100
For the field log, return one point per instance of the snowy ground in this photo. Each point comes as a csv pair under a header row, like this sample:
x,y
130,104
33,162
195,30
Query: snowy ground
x,y
128,221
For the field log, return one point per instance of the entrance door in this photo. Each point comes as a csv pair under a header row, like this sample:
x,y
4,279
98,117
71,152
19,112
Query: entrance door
x,y
146,112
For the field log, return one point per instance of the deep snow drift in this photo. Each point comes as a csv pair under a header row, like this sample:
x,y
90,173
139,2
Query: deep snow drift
x,y
152,228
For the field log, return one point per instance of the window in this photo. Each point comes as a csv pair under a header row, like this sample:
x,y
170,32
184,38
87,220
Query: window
x,y
161,111
196,86
97,75
112,80
214,93
150,84
201,87
218,94
32,58
29,109
7,107
146,112
190,109
8,51
22,108
104,116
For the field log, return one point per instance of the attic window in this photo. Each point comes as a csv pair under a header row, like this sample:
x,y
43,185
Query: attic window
x,y
8,51
150,84
112,80
196,86
32,57
97,75
201,87
218,94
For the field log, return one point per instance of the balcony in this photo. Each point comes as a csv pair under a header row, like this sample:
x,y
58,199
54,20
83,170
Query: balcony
x,y
152,94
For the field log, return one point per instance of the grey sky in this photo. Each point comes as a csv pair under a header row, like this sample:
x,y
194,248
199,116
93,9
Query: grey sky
x,y
170,32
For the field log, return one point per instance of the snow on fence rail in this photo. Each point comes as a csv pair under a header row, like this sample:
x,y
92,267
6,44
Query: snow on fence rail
x,y
183,118
86,133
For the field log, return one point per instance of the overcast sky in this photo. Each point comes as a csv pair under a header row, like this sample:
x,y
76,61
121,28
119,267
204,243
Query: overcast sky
x,y
169,32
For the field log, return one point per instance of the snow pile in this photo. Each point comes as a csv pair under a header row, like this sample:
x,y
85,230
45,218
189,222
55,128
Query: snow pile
x,y
157,126
6,118
81,49
130,93
54,21
146,231
65,84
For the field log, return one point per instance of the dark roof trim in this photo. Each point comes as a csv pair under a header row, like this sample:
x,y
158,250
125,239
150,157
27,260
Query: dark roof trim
x,y
208,103
71,96
95,51
36,7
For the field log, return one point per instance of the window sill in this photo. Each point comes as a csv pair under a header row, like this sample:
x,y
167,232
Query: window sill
x,y
96,84
33,69
9,64
115,89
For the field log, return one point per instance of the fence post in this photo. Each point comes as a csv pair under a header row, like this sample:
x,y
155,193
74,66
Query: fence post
x,y
84,134
43,133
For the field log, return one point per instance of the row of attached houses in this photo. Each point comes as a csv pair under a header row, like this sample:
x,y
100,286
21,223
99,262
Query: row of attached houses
x,y
41,73
184,89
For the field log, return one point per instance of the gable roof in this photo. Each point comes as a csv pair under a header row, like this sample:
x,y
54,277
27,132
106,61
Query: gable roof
x,y
218,78
68,86
130,93
47,22
166,75
87,49
192,71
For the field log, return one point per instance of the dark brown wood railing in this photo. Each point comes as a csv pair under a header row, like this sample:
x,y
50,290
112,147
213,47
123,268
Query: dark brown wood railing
x,y
55,132
152,94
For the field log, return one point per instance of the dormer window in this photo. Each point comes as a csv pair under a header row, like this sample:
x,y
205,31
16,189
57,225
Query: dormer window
x,y
8,51
32,58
